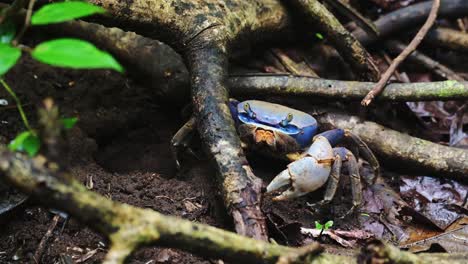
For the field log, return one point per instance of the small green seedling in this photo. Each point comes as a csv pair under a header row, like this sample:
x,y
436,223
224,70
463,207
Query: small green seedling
x,y
323,227
64,52
319,36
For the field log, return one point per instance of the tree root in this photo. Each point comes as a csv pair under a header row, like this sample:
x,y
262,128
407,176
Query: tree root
x,y
410,16
401,150
153,62
206,35
448,38
282,85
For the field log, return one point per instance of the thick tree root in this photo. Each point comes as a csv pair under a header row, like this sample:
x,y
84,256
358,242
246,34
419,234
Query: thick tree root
x,y
206,36
403,151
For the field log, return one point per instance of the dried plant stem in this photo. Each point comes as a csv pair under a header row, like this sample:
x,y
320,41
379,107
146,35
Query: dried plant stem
x,y
380,86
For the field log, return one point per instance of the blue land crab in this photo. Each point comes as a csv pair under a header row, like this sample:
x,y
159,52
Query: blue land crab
x,y
287,133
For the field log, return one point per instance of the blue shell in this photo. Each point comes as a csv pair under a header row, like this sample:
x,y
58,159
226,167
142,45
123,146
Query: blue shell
x,y
302,127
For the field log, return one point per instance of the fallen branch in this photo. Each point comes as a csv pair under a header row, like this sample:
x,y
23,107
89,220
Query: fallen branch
x,y
45,239
260,85
380,86
349,11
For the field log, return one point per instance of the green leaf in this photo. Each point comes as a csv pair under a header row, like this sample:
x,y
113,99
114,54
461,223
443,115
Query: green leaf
x,y
74,53
318,225
26,141
319,36
328,224
7,31
69,122
64,11
8,57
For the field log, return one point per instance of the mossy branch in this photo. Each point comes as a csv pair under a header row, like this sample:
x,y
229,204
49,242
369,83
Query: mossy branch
x,y
345,90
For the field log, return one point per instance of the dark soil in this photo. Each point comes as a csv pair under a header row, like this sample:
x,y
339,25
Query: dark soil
x,y
121,145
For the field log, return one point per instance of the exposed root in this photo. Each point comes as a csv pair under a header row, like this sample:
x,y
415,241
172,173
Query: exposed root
x,y
410,16
401,151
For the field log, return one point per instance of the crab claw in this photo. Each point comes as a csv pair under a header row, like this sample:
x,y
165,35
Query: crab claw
x,y
306,174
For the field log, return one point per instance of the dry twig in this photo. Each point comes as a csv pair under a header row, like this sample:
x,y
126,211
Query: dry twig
x,y
380,86
42,245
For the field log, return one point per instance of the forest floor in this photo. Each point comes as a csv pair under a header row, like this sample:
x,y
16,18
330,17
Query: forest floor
x,y
120,149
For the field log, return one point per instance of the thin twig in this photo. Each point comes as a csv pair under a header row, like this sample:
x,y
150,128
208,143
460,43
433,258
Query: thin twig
x,y
380,86
27,20
40,249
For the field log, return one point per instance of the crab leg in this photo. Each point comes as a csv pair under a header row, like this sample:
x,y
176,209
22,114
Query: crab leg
x,y
336,135
333,181
365,151
181,140
356,187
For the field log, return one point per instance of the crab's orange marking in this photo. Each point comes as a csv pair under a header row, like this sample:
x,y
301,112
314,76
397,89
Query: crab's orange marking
x,y
325,161
264,136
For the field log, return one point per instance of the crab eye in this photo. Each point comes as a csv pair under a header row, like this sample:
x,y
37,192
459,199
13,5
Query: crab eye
x,y
287,120
249,111
247,107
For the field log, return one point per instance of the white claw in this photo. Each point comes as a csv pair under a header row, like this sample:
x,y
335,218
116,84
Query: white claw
x,y
279,181
306,174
